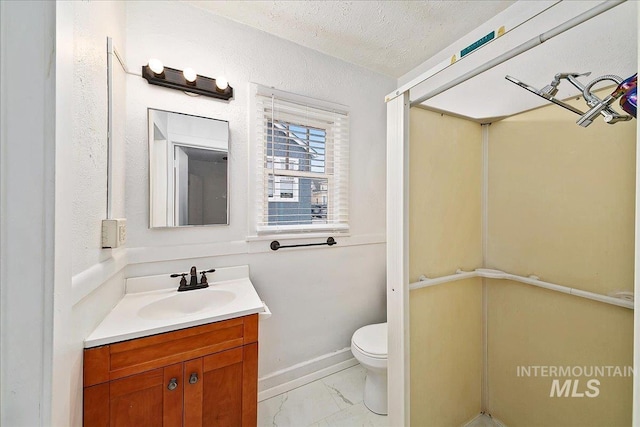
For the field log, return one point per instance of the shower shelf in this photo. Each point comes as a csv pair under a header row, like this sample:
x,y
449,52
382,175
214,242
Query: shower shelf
x,y
531,280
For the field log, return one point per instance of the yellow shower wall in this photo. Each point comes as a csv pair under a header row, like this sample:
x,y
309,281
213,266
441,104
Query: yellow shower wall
x,y
562,199
535,327
445,177
561,207
446,356
444,228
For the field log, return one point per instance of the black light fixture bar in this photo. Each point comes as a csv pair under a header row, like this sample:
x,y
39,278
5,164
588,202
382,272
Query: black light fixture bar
x,y
174,79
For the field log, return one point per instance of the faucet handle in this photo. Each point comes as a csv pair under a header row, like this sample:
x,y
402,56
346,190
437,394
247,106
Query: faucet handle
x,y
173,275
203,279
183,280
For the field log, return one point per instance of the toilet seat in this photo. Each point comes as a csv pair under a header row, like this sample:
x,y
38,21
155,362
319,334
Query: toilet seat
x,y
371,340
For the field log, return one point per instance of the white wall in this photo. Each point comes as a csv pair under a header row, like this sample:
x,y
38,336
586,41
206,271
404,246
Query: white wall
x,y
92,23
27,150
319,296
89,279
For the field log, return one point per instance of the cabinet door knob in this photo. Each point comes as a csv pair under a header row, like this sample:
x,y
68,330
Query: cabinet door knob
x,y
173,384
193,378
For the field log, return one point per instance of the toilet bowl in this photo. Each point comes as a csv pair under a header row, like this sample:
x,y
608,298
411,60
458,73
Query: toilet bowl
x,y
369,347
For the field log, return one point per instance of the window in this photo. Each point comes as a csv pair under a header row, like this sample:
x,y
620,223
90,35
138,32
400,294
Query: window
x,y
301,156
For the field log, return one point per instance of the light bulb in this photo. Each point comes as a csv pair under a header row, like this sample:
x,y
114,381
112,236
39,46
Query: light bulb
x,y
189,75
222,83
156,66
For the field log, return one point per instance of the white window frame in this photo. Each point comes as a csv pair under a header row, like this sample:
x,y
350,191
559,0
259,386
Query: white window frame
x,y
257,196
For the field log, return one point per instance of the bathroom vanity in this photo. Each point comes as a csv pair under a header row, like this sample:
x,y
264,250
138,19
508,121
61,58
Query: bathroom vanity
x,y
176,359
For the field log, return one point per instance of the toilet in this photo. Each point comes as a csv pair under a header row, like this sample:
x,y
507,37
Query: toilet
x,y
369,347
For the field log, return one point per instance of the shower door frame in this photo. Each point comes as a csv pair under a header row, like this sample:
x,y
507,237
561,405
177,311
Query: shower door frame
x,y
398,388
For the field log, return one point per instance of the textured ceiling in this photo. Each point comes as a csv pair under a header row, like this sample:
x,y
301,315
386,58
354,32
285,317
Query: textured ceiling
x,y
395,37
390,37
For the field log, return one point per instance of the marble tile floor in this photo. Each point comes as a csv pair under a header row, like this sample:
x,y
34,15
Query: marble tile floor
x,y
335,400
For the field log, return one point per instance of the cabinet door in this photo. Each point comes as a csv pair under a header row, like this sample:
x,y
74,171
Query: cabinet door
x,y
222,389
173,398
137,400
150,399
193,385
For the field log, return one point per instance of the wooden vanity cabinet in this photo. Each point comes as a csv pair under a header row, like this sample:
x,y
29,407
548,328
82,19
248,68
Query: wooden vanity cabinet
x,y
201,376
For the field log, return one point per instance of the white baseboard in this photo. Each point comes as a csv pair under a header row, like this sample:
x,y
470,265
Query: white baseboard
x,y
304,373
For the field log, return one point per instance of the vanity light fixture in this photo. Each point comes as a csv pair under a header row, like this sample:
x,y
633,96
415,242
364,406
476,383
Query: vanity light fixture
x,y
157,74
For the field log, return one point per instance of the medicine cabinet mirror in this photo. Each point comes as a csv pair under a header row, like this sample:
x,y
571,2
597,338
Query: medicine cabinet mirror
x,y
188,172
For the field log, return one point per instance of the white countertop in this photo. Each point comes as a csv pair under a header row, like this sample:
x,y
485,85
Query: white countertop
x,y
230,293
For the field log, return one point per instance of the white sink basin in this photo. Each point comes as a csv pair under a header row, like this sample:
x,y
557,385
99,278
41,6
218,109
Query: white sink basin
x,y
186,304
152,305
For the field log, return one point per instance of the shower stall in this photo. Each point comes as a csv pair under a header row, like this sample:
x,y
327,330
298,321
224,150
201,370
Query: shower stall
x,y
511,230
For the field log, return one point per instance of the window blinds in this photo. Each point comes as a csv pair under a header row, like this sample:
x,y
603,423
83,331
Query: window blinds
x,y
302,166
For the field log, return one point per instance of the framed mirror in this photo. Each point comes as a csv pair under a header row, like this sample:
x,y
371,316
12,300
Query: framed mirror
x,y
188,170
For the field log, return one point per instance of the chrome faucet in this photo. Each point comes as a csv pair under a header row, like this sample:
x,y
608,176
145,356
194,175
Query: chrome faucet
x,y
193,283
